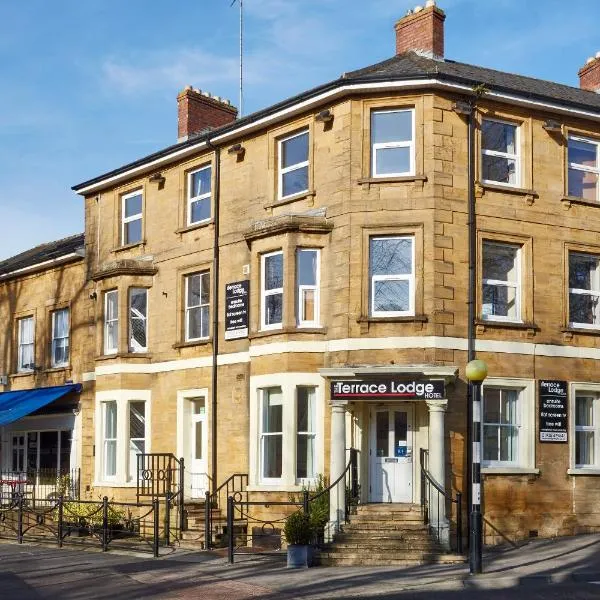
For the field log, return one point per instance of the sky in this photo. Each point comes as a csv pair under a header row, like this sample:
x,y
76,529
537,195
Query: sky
x,y
89,85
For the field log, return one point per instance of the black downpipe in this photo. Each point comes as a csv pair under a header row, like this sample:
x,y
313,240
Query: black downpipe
x,y
472,225
215,314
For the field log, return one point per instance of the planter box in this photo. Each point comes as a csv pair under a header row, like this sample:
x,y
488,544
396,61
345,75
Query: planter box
x,y
299,557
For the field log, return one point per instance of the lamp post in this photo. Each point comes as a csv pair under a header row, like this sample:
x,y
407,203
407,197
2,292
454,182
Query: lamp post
x,y
476,372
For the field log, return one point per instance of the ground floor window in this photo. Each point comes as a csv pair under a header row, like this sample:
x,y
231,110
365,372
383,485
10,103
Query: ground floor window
x,y
48,451
287,425
587,413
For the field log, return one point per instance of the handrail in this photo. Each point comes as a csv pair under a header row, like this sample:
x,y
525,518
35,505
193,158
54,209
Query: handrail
x,y
229,480
330,487
426,476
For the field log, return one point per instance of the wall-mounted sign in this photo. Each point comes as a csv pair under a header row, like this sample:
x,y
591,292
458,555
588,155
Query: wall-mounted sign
x,y
554,404
388,389
236,309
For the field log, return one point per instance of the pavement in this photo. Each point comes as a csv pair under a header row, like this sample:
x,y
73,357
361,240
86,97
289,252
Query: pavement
x,y
564,568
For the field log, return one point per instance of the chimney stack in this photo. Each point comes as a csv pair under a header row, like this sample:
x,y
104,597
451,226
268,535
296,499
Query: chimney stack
x,y
422,30
199,111
589,74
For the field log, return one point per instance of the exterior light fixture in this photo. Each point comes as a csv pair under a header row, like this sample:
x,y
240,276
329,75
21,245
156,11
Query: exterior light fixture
x,y
236,149
462,108
552,126
325,116
476,372
157,178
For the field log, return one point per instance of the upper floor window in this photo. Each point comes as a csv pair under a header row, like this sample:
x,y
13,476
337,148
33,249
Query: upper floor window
x,y
501,426
111,322
293,164
392,143
584,290
197,298
501,281
307,265
199,194
138,319
271,292
60,338
584,169
392,276
500,161
26,332
131,222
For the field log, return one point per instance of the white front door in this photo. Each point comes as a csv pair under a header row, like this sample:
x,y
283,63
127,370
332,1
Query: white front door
x,y
198,448
391,454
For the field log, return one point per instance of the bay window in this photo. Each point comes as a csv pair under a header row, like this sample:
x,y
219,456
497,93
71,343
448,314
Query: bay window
x,y
271,290
137,434
138,319
305,432
60,338
392,143
111,322
109,442
307,274
271,434
584,290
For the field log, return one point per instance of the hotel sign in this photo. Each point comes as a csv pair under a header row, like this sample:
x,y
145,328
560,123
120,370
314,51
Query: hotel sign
x,y
236,309
553,411
387,389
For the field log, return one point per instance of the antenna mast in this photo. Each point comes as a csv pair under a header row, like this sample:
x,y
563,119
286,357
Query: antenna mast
x,y
241,102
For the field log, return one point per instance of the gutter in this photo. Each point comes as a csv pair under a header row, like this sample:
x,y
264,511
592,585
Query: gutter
x,y
327,94
42,265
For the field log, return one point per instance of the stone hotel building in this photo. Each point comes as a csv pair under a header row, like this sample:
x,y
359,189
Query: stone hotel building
x,y
273,290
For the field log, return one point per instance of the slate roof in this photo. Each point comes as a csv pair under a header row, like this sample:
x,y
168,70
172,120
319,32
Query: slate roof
x,y
43,253
407,66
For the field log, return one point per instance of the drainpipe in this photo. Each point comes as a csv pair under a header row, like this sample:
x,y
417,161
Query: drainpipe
x,y
215,314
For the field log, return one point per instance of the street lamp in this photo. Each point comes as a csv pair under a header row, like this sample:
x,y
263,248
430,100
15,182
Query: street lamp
x,y
476,372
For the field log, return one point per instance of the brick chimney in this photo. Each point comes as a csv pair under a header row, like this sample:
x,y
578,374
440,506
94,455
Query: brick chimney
x,y
589,74
199,111
422,30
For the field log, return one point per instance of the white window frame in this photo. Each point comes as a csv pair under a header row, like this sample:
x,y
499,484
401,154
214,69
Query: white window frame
x,y
188,308
123,399
108,440
288,385
275,291
301,289
373,279
389,145
21,368
138,317
283,170
312,434
518,286
53,362
584,168
263,435
527,427
107,348
584,389
516,157
583,291
131,474
192,199
137,216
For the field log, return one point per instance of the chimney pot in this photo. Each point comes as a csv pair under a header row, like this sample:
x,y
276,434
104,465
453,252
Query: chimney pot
x,y
589,74
422,30
198,111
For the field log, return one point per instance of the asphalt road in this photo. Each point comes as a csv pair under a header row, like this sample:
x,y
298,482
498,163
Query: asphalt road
x,y
38,572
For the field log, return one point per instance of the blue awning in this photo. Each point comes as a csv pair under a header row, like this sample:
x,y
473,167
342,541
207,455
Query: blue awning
x,y
15,405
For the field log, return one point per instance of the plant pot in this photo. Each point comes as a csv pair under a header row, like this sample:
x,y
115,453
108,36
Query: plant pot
x,y
299,556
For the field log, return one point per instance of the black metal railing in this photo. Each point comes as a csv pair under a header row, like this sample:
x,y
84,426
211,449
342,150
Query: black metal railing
x,y
434,501
162,475
39,484
214,528
83,522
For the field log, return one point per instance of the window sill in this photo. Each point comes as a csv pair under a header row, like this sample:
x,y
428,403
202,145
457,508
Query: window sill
x,y
583,471
287,331
406,319
195,226
509,471
58,369
128,247
278,487
506,324
22,374
290,199
115,484
103,357
481,188
400,179
204,342
581,330
567,201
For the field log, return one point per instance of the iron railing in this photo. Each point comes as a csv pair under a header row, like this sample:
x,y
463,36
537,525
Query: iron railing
x,y
83,522
39,484
234,486
434,501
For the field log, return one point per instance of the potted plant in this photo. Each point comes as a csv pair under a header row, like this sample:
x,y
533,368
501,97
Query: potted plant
x,y
299,531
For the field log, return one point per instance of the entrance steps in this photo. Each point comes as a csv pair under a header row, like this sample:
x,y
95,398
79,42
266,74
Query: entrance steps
x,y
382,535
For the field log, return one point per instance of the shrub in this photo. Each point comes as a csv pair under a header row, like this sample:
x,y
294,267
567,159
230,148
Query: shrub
x,y
89,514
298,529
